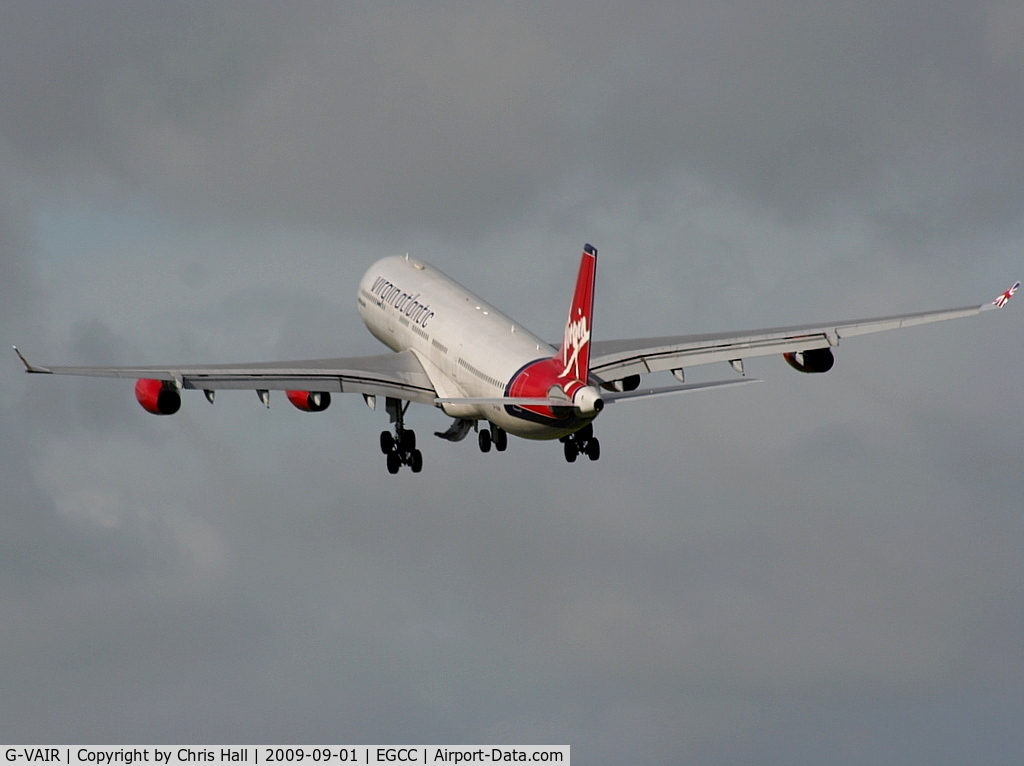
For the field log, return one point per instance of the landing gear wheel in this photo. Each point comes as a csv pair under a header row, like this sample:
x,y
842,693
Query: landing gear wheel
x,y
500,438
400,446
485,440
582,442
406,440
394,462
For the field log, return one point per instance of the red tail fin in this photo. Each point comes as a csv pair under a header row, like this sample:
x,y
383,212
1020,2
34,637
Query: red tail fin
x,y
574,353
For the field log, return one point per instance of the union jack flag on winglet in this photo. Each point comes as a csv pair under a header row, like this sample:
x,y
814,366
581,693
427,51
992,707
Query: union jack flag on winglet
x,y
1005,297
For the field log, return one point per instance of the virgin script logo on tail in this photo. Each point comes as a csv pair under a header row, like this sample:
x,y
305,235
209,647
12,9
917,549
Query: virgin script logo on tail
x,y
577,336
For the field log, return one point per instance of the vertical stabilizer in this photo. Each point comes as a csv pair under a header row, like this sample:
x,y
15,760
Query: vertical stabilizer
x,y
574,353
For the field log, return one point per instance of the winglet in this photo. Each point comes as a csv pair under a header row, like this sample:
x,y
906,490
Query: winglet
x,y
24,361
1003,299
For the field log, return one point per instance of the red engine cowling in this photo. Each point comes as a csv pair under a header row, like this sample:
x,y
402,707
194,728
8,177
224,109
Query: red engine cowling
x,y
157,396
815,360
310,401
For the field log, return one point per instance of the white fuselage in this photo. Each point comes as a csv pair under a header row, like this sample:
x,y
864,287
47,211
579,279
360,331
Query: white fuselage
x,y
468,348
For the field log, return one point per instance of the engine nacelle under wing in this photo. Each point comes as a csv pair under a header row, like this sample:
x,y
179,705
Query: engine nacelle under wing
x,y
157,396
815,360
310,401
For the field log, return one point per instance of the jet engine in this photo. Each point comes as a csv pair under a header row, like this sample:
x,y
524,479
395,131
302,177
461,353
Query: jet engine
x,y
310,401
815,360
157,396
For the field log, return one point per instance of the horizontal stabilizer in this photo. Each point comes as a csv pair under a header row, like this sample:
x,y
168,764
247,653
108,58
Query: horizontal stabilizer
x,y
522,401
649,393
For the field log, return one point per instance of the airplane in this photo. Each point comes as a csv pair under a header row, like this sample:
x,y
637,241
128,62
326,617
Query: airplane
x,y
453,350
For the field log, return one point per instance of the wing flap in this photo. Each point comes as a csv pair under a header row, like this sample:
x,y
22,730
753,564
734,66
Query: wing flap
x,y
398,375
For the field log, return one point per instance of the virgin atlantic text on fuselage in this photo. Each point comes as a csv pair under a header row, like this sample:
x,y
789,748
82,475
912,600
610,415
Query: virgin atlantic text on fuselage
x,y
392,294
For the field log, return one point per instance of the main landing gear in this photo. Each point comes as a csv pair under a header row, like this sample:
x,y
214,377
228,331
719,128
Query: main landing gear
x,y
583,442
492,435
400,447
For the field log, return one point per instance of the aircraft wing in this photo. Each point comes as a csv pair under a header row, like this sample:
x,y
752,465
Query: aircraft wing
x,y
398,375
616,359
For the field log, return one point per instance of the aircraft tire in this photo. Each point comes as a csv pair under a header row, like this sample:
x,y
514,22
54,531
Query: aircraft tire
x,y
500,439
387,442
571,451
484,440
407,440
416,461
594,449
394,462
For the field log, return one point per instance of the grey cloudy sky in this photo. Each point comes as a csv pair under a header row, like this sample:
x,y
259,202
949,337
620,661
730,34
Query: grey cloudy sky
x,y
819,569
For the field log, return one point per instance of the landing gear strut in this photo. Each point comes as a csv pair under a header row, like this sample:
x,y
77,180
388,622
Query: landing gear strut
x,y
400,447
583,442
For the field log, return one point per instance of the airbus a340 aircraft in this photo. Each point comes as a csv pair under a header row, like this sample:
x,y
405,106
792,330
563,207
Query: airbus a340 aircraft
x,y
454,351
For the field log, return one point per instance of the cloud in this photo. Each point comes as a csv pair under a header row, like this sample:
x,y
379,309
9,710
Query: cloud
x,y
450,119
817,565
